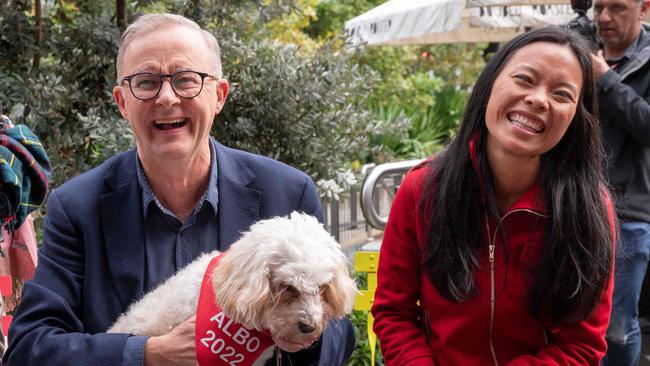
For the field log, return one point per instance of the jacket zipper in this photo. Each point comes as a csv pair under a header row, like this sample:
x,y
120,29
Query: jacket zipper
x,y
491,250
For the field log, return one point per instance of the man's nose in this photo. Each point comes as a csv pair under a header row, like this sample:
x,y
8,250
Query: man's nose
x,y
603,16
167,97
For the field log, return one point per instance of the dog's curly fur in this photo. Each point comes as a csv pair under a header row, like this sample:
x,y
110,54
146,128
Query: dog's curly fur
x,y
287,276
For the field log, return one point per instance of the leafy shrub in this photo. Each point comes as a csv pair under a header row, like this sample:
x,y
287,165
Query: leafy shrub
x,y
66,100
305,110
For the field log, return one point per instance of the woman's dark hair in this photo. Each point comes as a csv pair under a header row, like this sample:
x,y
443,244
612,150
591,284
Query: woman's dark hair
x,y
576,259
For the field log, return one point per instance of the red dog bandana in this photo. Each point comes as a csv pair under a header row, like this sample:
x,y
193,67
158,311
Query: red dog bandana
x,y
220,340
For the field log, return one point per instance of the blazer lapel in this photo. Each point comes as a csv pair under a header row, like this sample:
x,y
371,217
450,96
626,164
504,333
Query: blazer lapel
x,y
239,204
123,227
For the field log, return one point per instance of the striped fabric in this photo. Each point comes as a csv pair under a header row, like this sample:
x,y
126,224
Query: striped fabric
x,y
24,173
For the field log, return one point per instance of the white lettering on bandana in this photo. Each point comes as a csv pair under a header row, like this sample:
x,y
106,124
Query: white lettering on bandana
x,y
219,339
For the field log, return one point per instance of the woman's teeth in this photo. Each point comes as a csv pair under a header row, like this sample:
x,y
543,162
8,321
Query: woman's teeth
x,y
525,123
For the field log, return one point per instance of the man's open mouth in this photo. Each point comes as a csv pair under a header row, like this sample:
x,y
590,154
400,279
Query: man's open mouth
x,y
171,124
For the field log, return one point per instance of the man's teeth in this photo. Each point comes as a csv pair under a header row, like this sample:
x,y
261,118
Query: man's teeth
x,y
526,123
178,120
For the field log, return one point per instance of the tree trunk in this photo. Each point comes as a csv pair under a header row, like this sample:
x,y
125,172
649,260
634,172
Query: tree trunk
x,y
120,6
38,36
19,31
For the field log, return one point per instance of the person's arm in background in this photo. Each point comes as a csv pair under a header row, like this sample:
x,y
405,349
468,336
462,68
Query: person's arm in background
x,y
632,110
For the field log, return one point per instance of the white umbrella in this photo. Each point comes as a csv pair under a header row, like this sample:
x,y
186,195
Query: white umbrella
x,y
451,21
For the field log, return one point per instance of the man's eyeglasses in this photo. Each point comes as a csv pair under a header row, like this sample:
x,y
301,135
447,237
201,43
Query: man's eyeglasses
x,y
186,84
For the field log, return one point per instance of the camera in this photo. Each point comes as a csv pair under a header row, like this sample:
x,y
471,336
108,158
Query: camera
x,y
582,24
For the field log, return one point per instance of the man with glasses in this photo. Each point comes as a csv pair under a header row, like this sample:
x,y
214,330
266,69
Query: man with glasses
x,y
117,231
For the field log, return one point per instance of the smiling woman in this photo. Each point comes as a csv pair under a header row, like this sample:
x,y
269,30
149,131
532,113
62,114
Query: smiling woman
x,y
478,237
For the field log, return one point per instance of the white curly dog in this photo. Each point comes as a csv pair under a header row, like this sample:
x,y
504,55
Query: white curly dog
x,y
287,277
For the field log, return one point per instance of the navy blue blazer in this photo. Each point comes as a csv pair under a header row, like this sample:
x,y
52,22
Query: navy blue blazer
x,y
91,262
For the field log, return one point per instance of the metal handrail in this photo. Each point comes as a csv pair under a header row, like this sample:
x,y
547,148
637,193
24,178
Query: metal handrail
x,y
373,218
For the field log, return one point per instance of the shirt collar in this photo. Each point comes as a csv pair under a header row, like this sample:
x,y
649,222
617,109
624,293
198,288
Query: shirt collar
x,y
211,195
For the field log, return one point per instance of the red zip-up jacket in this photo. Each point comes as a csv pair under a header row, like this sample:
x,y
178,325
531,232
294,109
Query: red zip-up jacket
x,y
474,332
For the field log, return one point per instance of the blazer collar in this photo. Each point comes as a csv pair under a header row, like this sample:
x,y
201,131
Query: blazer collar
x,y
239,196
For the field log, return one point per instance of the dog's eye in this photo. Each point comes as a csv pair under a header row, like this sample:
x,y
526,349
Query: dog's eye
x,y
291,292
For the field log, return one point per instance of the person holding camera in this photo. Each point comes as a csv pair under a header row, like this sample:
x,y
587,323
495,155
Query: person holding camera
x,y
622,71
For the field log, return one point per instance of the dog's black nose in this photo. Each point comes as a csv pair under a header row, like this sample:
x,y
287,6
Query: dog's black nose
x,y
306,328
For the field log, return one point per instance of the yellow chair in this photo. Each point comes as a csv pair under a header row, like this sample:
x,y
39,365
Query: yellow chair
x,y
367,261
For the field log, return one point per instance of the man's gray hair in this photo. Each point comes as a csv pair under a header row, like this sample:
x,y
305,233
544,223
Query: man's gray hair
x,y
152,22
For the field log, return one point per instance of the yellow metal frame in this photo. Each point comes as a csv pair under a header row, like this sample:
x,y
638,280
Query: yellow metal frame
x,y
367,262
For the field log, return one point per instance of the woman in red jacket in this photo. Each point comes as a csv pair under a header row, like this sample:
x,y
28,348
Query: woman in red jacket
x,y
499,250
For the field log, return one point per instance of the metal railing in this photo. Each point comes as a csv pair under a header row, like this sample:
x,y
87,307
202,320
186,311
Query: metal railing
x,y
343,219
375,184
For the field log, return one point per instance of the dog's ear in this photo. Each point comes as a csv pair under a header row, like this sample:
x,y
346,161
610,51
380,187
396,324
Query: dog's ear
x,y
242,285
339,293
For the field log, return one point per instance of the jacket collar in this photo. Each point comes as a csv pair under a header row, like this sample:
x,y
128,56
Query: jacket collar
x,y
642,55
239,197
532,199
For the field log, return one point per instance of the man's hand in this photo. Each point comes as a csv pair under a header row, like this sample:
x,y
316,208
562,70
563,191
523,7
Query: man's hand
x,y
174,348
599,64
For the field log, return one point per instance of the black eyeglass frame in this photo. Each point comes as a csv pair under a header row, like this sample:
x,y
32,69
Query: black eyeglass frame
x,y
162,77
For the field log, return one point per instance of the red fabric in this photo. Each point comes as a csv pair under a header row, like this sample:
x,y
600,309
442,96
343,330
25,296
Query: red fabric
x,y
6,322
5,285
219,340
20,251
459,333
18,263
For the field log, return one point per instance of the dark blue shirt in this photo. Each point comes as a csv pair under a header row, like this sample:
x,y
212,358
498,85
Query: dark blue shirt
x,y
170,244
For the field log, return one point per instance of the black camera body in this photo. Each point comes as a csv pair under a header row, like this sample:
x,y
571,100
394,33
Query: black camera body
x,y
583,25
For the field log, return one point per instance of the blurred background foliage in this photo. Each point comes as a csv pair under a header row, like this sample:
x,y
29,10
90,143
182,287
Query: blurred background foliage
x,y
299,93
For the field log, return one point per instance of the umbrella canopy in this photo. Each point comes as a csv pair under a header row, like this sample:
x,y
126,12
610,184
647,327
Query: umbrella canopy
x,y
452,21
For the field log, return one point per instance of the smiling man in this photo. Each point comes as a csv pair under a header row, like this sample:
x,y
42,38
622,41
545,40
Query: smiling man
x,y
622,69
117,231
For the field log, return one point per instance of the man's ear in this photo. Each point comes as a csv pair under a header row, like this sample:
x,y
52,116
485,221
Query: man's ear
x,y
118,95
222,94
645,5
